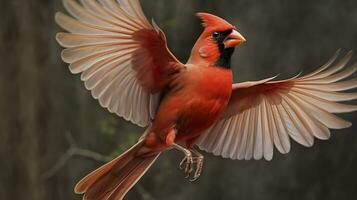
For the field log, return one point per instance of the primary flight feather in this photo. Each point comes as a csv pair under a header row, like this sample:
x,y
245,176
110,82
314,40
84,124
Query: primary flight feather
x,y
125,62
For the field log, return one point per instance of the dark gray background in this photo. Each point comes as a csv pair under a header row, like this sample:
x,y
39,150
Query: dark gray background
x,y
41,103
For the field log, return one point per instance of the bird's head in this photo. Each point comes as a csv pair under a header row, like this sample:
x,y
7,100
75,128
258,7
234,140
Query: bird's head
x,y
216,44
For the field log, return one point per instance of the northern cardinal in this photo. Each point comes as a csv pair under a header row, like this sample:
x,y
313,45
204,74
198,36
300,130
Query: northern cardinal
x,y
125,62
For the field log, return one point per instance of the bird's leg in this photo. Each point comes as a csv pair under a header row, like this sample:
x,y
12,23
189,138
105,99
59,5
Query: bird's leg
x,y
187,160
198,159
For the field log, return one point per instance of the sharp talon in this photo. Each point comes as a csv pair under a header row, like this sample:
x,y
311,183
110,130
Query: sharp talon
x,y
190,170
191,165
199,166
188,162
182,162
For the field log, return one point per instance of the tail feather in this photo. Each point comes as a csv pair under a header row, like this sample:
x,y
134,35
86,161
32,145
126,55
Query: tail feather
x,y
132,178
114,179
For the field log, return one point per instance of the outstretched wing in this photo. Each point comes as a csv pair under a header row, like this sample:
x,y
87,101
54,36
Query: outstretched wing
x,y
268,113
122,57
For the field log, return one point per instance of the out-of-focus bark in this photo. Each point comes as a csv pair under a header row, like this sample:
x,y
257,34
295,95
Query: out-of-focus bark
x,y
39,102
24,122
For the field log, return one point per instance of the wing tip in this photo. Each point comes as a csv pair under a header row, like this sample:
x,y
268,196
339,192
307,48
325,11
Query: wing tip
x,y
74,71
61,20
60,38
347,57
353,108
58,16
268,158
154,24
343,124
64,56
348,124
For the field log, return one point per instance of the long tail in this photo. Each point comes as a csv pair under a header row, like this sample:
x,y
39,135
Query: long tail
x,y
113,180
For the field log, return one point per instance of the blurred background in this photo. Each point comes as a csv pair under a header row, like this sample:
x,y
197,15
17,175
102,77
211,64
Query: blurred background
x,y
52,132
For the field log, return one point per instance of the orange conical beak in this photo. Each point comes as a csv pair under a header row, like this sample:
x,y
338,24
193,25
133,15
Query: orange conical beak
x,y
234,39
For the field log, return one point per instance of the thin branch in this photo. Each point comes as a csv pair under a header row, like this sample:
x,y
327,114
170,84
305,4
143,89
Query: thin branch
x,y
74,150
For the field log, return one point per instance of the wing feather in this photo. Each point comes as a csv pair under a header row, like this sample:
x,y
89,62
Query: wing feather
x,y
121,57
281,137
268,140
335,77
267,113
301,121
323,67
226,152
74,26
242,140
340,65
218,145
86,16
250,136
329,106
328,96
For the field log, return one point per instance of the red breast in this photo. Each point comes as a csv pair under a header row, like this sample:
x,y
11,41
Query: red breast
x,y
195,102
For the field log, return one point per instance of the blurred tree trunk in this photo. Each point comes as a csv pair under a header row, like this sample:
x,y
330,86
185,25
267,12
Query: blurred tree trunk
x,y
25,106
22,128
38,104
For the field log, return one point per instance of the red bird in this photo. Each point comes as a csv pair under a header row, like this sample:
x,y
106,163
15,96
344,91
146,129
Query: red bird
x,y
125,62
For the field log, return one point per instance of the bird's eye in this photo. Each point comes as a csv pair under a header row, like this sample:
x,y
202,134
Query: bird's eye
x,y
216,35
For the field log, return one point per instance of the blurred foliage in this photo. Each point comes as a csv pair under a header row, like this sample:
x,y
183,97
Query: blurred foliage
x,y
108,126
128,141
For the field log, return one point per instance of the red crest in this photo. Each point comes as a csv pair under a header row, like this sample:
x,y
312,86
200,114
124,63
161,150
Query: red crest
x,y
210,21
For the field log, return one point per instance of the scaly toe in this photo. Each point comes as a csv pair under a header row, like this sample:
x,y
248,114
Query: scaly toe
x,y
199,166
189,165
183,162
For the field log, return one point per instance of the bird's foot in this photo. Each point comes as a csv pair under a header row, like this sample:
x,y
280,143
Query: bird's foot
x,y
187,163
192,164
199,166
